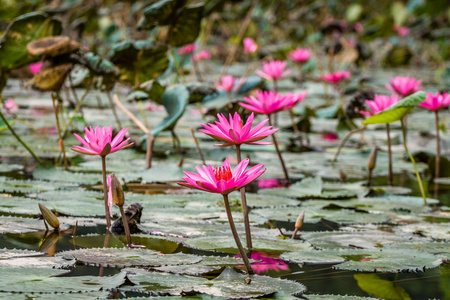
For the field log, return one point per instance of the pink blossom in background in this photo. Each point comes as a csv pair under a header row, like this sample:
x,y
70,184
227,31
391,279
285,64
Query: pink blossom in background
x,y
299,55
329,136
336,76
96,139
379,103
202,55
222,180
36,67
402,31
187,49
271,183
358,27
273,70
233,132
154,107
268,102
267,263
226,83
10,105
436,101
351,43
295,98
404,86
250,46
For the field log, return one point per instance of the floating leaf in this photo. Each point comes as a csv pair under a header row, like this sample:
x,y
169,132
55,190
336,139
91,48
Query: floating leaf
x,y
397,111
50,173
31,259
313,257
26,186
439,231
22,225
126,257
336,297
380,287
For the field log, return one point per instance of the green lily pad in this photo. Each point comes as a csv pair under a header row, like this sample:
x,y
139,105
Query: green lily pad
x,y
42,280
125,257
439,231
397,111
9,168
265,201
313,257
380,287
227,244
27,186
442,249
360,239
336,297
59,174
31,259
22,225
84,295
387,260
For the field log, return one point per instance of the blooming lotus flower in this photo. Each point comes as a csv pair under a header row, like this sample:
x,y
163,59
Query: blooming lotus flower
x,y
402,31
36,67
232,132
10,105
269,102
222,180
202,55
267,263
336,76
250,46
273,70
110,199
299,55
295,98
436,102
226,83
404,86
187,49
379,103
96,140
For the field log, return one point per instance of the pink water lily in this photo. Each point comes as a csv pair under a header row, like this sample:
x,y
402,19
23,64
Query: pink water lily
x,y
299,55
404,86
187,49
295,98
267,263
273,70
226,83
233,132
379,103
95,141
401,30
436,102
202,55
10,105
36,67
336,76
250,46
222,180
269,102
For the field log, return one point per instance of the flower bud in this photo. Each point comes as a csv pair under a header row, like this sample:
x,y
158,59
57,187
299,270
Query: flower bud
x,y
49,216
300,219
117,191
372,159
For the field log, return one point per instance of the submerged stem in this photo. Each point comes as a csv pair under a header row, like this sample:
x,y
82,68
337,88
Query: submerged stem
x,y
244,257
390,176
344,140
105,192
248,234
419,179
286,175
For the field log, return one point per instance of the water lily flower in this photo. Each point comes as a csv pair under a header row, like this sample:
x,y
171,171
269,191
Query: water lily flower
x,y
273,70
187,49
299,55
95,141
222,180
10,105
295,98
358,27
267,263
336,76
436,102
250,46
269,102
202,55
402,31
404,86
36,67
233,132
379,103
226,83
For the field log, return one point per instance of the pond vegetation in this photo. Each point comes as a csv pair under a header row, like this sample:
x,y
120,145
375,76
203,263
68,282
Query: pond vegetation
x,y
174,149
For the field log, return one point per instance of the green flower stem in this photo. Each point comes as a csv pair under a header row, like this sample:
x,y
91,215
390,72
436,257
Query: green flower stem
x,y
177,65
390,178
419,179
248,234
105,193
18,138
286,174
244,257
61,142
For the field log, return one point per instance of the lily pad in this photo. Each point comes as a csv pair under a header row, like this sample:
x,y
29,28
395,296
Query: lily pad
x,y
125,257
387,260
440,231
59,174
442,249
22,225
380,287
31,259
313,257
9,168
227,244
336,297
26,186
265,201
360,239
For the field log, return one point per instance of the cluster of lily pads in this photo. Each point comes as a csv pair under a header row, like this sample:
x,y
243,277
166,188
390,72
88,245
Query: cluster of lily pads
x,y
178,243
